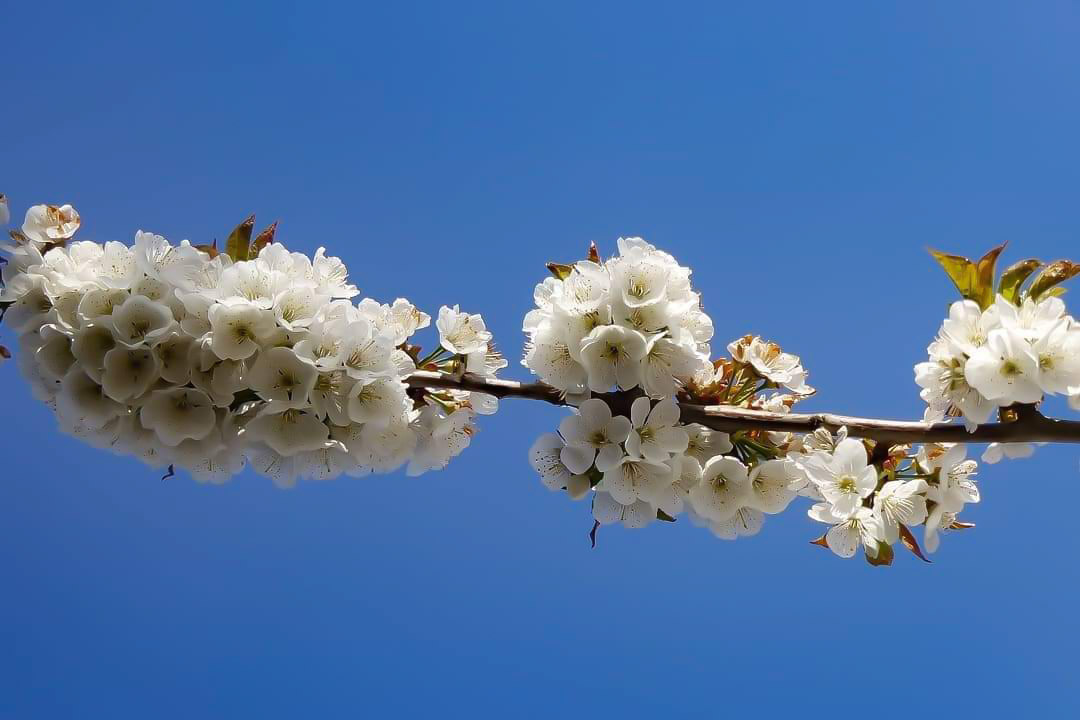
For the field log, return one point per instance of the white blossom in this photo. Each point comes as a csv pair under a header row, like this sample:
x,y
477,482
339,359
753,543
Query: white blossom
x,y
178,414
50,223
633,479
461,333
546,458
655,435
724,488
608,511
593,435
611,356
771,487
237,328
844,478
286,430
953,488
279,375
861,527
1005,369
900,502
129,372
140,321
996,452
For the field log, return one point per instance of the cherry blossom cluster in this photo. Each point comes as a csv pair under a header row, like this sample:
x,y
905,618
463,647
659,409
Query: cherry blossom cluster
x,y
648,467
183,356
630,334
1003,348
633,326
875,504
633,321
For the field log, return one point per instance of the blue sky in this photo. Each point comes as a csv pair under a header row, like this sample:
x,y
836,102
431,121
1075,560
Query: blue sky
x,y
800,157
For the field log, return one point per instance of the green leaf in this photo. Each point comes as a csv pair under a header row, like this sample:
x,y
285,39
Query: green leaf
x,y
1054,274
962,272
239,243
1014,276
264,238
559,270
985,274
884,555
661,515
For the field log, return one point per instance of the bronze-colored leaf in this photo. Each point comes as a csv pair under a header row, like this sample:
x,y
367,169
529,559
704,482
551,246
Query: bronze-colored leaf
x,y
985,272
560,270
5,353
957,525
962,272
210,250
821,541
1054,274
661,515
911,543
18,238
264,238
884,555
1014,277
594,254
238,244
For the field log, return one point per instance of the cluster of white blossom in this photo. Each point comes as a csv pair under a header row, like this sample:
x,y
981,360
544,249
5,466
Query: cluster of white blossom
x,y
1007,354
649,466
875,505
181,356
633,323
630,322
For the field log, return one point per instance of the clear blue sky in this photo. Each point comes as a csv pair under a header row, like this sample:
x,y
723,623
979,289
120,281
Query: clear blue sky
x,y
799,158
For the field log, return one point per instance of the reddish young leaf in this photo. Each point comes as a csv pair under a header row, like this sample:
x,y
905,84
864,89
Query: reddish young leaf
x,y
911,543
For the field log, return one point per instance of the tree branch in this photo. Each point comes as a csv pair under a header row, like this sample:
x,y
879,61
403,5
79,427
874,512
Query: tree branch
x,y
1030,425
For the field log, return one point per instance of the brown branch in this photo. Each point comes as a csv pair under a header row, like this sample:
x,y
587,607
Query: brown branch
x,y
1030,425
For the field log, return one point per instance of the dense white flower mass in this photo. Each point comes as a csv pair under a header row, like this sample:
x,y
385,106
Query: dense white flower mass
x,y
634,326
1012,353
627,342
185,357
632,321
